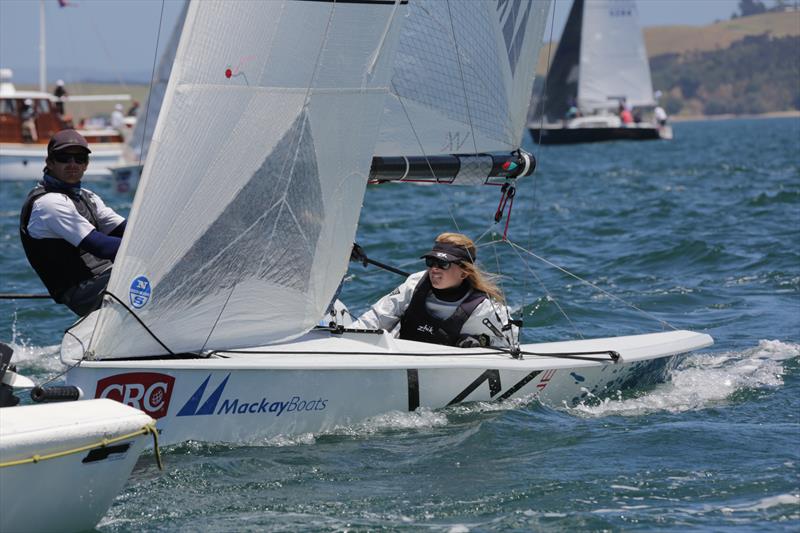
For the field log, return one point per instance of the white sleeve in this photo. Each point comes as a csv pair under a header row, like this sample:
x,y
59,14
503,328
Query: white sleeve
x,y
387,311
491,310
107,218
54,216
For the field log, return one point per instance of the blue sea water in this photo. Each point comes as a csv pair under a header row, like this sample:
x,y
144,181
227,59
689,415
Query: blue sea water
x,y
702,233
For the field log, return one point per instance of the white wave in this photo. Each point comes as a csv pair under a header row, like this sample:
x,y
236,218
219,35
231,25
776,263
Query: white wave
x,y
421,418
764,503
393,420
36,358
29,357
706,379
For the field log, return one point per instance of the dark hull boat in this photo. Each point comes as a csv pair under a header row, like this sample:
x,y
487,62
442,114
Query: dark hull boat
x,y
590,135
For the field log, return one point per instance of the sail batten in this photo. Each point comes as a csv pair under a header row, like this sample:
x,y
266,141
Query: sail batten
x,y
241,227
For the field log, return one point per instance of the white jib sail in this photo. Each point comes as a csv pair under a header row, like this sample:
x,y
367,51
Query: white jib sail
x,y
135,149
242,226
614,62
463,77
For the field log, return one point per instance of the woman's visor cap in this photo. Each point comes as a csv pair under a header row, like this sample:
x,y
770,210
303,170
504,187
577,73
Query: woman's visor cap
x,y
449,252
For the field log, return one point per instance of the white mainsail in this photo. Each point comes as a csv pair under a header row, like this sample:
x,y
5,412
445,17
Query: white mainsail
x,y
613,57
462,77
135,150
241,228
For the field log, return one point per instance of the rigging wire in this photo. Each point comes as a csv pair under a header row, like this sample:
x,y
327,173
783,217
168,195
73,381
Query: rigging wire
x,y
593,285
535,181
463,83
550,297
152,80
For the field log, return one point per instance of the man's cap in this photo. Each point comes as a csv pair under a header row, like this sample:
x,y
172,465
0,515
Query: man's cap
x,y
449,252
65,139
119,107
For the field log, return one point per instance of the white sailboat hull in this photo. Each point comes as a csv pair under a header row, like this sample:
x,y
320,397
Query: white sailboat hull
x,y
71,492
327,380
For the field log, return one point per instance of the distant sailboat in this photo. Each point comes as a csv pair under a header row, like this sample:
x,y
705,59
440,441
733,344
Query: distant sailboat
x,y
128,169
600,68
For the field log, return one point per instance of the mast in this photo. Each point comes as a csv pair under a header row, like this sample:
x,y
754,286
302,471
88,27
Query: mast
x,y
42,50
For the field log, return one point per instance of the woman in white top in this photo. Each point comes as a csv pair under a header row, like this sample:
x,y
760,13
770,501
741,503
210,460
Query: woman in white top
x,y
452,302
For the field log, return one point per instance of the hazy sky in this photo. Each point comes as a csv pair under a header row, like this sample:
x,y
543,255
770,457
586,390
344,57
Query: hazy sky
x,y
116,39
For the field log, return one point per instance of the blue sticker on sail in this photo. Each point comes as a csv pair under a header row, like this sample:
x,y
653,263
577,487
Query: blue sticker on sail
x,y
140,292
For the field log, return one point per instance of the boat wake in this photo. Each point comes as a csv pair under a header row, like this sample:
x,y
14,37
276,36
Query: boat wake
x,y
36,360
704,380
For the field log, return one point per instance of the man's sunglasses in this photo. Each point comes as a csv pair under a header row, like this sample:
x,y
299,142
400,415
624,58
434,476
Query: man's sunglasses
x,y
81,159
431,262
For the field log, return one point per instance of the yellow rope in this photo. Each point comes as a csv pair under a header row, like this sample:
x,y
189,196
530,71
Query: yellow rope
x,y
150,428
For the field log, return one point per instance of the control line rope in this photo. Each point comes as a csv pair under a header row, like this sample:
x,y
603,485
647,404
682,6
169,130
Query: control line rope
x,y
35,459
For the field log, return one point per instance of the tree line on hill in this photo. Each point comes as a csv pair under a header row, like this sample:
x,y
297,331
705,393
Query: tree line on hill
x,y
756,7
755,75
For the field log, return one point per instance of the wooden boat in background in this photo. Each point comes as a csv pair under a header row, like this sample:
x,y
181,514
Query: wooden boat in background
x,y
22,159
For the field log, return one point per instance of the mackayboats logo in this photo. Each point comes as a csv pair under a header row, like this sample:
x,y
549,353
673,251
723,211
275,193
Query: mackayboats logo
x,y
195,406
148,391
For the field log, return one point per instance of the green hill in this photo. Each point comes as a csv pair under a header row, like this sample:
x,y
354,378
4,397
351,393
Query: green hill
x,y
755,75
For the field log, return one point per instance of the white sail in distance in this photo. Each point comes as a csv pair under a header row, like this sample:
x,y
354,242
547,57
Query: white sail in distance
x,y
463,77
613,57
242,225
135,149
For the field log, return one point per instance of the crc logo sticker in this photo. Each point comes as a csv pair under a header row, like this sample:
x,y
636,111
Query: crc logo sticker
x,y
140,292
148,391
195,405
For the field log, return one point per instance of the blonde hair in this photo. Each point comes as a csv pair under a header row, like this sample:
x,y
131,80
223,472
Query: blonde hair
x,y
480,280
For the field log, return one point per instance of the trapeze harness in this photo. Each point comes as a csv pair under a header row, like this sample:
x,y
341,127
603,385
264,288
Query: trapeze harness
x,y
417,324
60,265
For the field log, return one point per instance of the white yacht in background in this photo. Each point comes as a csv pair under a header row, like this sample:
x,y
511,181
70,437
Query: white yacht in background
x,y
599,69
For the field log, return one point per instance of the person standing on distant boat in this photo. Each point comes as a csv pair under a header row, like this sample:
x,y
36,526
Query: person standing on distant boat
x,y
660,115
29,133
451,303
134,109
117,118
625,114
60,93
69,235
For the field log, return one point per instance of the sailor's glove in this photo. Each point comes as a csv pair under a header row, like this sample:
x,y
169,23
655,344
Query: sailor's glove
x,y
358,255
469,341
